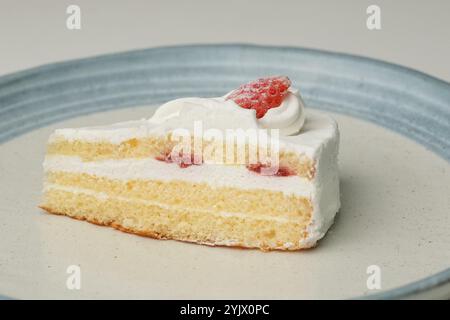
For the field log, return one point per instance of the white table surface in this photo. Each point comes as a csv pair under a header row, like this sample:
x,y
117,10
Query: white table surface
x,y
415,33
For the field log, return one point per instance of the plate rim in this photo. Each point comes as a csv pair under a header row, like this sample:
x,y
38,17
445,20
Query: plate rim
x,y
410,290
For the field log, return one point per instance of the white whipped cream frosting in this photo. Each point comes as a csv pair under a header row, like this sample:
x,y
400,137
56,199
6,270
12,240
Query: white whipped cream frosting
x,y
221,113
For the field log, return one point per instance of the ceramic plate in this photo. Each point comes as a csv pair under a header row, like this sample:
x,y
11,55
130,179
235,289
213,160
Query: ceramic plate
x,y
394,223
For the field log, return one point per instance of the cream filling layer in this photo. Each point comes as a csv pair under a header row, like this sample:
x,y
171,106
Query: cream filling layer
x,y
151,169
102,196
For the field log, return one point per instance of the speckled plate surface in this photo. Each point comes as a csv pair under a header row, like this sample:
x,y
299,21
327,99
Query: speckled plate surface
x,y
394,171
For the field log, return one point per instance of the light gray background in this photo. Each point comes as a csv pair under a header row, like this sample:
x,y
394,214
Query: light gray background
x,y
415,33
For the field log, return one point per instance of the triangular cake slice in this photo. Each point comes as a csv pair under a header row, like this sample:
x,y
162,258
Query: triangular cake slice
x,y
249,169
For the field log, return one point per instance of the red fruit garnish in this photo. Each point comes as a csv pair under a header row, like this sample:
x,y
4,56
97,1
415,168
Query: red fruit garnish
x,y
262,94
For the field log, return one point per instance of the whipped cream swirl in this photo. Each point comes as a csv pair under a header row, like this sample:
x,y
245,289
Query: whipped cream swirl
x,y
221,113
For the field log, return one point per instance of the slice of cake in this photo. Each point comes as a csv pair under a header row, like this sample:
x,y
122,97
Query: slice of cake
x,y
249,169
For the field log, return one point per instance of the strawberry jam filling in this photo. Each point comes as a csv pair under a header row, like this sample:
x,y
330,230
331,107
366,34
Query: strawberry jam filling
x,y
282,171
186,161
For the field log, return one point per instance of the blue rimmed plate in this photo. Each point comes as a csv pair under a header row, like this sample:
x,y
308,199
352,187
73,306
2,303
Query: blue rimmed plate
x,y
392,235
